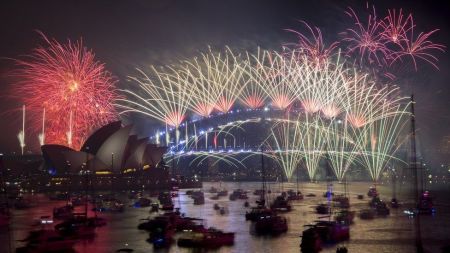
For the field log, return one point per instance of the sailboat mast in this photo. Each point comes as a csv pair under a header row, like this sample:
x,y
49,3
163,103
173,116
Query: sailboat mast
x,y
413,164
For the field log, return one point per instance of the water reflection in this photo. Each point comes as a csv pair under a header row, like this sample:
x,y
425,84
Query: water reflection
x,y
391,234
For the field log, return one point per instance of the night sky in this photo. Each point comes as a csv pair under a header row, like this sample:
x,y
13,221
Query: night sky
x,y
137,33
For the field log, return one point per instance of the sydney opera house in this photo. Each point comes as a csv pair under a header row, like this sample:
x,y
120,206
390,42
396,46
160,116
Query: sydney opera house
x,y
111,158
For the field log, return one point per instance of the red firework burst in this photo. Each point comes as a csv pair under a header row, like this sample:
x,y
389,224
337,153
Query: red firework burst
x,y
314,47
75,90
253,101
420,47
367,39
224,104
395,26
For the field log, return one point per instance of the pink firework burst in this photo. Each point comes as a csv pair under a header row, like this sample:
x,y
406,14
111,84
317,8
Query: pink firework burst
x,y
395,25
314,48
76,91
419,47
203,109
367,39
224,104
253,101
281,101
174,119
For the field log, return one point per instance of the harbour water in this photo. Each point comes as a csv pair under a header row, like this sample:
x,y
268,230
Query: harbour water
x,y
394,233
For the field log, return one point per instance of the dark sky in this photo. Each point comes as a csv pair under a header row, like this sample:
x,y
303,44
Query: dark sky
x,y
131,33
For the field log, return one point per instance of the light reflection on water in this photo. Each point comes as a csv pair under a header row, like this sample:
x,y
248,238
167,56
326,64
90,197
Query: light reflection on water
x,y
392,234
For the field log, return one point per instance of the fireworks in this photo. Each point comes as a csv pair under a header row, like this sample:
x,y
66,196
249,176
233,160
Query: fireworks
x,y
21,134
216,81
367,39
314,48
287,137
276,76
379,141
65,79
341,113
390,39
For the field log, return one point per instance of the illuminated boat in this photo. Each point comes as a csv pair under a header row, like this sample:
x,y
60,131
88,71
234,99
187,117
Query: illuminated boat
x,y
211,238
425,205
271,225
341,201
291,195
257,212
345,217
280,204
372,192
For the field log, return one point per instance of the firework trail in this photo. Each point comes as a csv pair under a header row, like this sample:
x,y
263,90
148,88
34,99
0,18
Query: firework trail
x,y
64,78
276,75
287,137
379,141
41,135
164,96
21,134
312,46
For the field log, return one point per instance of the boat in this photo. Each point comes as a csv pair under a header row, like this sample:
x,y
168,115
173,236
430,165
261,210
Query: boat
x,y
310,195
345,217
366,214
291,195
162,238
425,205
199,198
271,225
375,201
280,204
63,212
238,194
379,206
166,202
395,203
59,196
110,205
211,238
257,212
372,192
332,231
258,192
311,242
222,193
167,206
79,226
382,209
47,241
246,204
154,207
360,196
341,201
322,209
142,202
164,197
216,206
213,189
